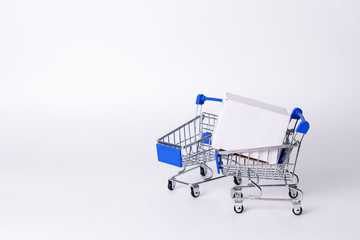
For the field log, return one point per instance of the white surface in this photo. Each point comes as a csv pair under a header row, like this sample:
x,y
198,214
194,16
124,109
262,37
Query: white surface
x,y
87,87
246,123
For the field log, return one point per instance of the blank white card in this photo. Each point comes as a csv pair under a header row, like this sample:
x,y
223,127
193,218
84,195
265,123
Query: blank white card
x,y
247,123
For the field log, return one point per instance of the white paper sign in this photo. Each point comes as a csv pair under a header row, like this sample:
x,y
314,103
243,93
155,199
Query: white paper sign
x,y
246,123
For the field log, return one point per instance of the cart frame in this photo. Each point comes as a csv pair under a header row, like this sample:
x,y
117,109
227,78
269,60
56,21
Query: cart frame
x,y
239,164
189,147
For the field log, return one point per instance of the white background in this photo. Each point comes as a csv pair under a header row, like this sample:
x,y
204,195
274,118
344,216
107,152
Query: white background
x,y
86,88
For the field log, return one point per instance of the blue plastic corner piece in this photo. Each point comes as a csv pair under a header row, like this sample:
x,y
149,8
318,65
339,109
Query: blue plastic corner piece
x,y
169,155
200,99
295,113
217,162
303,127
207,141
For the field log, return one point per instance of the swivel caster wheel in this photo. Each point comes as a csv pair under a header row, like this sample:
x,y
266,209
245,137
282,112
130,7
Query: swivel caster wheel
x,y
203,171
171,185
195,192
237,195
238,208
237,180
297,211
293,193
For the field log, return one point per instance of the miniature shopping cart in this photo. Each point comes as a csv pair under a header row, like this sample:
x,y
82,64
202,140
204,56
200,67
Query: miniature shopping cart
x,y
241,164
190,146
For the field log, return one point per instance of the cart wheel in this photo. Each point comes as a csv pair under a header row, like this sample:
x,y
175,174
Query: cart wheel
x,y
232,193
293,194
195,192
238,209
203,171
237,180
171,185
297,211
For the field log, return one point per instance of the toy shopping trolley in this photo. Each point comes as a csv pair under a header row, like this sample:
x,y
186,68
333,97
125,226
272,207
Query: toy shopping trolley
x,y
190,146
246,164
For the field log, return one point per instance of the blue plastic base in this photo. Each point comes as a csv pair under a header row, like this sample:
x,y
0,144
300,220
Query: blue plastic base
x,y
169,155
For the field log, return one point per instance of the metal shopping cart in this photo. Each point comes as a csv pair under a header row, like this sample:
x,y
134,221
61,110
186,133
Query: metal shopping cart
x,y
241,164
190,146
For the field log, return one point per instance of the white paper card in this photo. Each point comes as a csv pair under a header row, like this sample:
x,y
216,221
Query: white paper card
x,y
246,123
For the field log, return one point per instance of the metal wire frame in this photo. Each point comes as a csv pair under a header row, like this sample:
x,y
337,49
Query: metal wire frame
x,y
194,139
239,164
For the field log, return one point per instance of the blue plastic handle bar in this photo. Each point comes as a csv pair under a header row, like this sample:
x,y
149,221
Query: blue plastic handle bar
x,y
200,99
303,126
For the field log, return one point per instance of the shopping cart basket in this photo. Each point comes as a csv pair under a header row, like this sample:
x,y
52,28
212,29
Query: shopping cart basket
x,y
242,164
190,146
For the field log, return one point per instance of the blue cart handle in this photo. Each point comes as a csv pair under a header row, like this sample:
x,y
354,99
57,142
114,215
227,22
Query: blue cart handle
x,y
200,99
303,126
